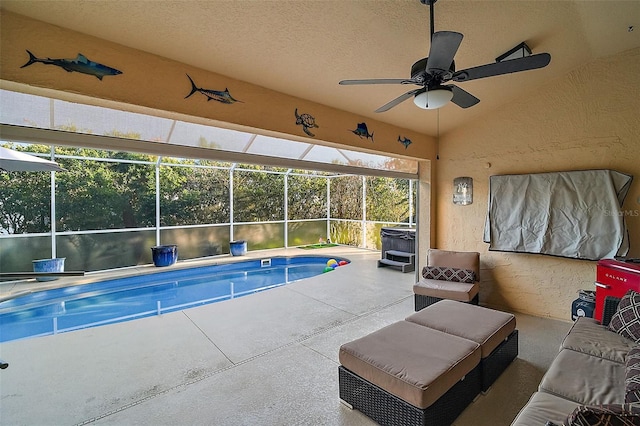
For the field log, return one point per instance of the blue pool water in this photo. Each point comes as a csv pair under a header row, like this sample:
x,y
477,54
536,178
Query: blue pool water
x,y
106,302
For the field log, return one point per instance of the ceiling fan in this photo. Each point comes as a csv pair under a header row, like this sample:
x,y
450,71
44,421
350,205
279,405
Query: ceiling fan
x,y
439,67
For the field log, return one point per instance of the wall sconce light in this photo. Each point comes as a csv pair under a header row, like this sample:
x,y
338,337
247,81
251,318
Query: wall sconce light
x,y
463,191
520,51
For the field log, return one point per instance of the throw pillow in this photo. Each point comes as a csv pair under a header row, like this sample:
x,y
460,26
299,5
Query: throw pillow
x,y
444,273
632,379
626,320
609,415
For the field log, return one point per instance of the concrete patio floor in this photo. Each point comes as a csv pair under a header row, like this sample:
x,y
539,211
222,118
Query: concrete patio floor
x,y
266,359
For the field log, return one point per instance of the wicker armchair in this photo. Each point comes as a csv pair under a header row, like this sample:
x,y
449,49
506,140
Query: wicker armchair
x,y
453,269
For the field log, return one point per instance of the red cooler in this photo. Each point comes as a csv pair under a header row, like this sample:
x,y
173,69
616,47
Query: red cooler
x,y
614,278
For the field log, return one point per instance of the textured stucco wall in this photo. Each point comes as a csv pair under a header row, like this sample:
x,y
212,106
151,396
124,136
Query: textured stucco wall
x,y
154,82
588,119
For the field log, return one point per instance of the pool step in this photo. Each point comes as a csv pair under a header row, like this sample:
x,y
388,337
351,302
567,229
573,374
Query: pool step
x,y
402,260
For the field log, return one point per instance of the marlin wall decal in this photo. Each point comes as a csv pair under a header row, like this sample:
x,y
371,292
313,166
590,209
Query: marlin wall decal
x,y
217,95
80,64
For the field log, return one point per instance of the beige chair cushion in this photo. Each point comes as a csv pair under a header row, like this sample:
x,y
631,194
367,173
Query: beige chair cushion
x,y
484,326
462,292
410,361
455,259
447,289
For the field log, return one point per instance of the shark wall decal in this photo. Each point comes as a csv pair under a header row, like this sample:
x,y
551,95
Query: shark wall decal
x,y
216,95
81,64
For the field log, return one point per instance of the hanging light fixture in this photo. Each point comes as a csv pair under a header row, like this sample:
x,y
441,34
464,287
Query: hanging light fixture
x,y
434,98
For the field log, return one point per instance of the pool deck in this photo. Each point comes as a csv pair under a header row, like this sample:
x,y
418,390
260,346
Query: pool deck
x,y
270,358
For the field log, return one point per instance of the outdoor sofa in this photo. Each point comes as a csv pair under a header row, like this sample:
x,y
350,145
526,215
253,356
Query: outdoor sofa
x,y
595,377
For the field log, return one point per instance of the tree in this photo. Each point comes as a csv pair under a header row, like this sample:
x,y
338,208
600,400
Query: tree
x,y
96,194
191,196
346,197
258,196
307,197
387,199
25,197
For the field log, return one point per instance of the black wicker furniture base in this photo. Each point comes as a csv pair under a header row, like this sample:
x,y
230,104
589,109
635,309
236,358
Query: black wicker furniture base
x,y
494,365
388,409
422,301
610,308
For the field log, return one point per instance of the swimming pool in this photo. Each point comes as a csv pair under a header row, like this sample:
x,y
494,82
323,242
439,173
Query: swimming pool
x,y
106,302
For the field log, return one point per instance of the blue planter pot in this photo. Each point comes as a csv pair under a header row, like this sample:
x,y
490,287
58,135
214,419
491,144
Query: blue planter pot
x,y
238,248
48,265
164,255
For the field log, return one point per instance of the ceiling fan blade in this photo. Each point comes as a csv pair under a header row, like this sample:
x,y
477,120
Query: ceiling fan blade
x,y
462,98
444,45
379,81
398,100
532,62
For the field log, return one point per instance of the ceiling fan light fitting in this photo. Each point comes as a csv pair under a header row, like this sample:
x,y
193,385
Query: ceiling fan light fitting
x,y
434,98
520,51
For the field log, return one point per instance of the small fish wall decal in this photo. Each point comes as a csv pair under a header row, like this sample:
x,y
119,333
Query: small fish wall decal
x,y
80,64
404,141
363,132
217,95
307,122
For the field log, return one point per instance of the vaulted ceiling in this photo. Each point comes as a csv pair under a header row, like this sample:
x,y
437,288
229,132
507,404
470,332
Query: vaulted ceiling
x,y
305,47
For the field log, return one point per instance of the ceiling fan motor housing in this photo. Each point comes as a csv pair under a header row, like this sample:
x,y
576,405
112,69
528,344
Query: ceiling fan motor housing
x,y
420,75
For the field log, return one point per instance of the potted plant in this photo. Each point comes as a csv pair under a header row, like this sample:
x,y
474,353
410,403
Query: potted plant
x,y
238,247
164,255
48,265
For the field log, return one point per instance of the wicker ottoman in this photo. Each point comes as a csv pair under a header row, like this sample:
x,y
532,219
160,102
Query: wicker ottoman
x,y
493,330
409,374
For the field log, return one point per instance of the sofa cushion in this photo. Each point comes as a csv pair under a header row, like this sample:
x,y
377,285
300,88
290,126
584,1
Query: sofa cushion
x,y
462,292
543,407
446,273
585,379
632,379
412,362
591,338
605,415
626,320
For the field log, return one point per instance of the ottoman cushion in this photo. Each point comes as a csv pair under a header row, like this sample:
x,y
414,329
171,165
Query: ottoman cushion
x,y
412,362
484,326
